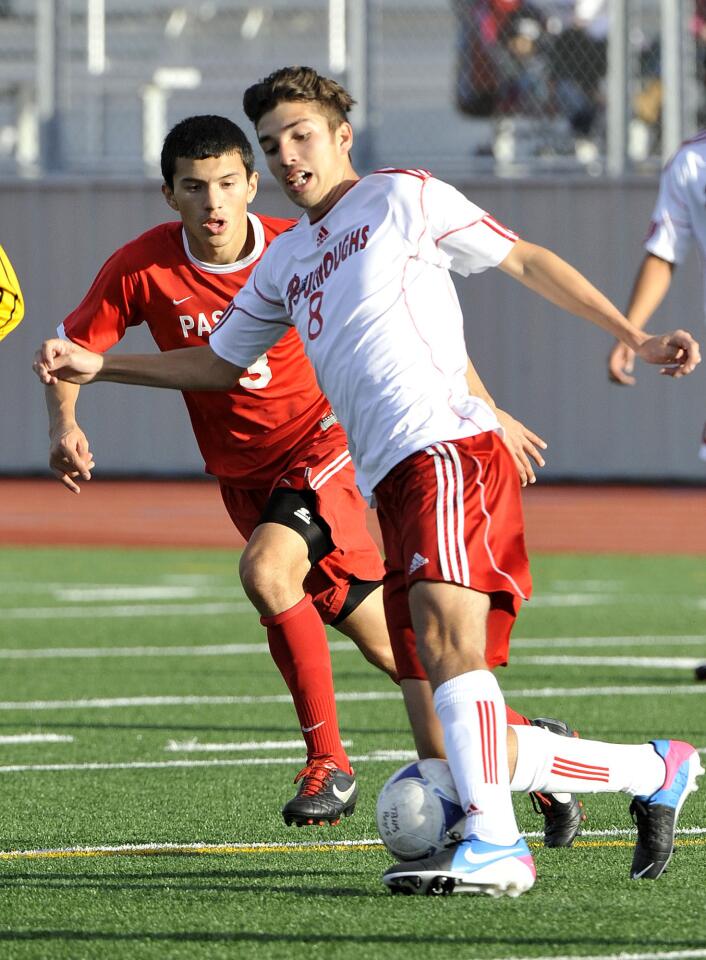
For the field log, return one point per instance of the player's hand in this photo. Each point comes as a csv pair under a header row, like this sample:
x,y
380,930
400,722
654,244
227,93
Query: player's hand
x,y
621,363
523,444
678,353
63,360
70,458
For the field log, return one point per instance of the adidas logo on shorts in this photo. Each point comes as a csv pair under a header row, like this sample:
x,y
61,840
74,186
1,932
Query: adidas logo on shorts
x,y
417,561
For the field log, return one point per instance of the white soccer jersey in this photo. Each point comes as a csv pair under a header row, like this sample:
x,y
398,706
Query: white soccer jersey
x,y
368,289
680,212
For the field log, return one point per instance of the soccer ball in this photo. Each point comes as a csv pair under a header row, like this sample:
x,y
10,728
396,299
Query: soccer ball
x,y
418,811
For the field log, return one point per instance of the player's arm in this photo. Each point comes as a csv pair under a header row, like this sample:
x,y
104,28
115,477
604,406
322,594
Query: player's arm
x,y
191,368
522,443
649,289
70,458
560,283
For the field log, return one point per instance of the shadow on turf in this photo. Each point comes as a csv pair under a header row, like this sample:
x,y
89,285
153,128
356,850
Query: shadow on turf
x,y
256,936
226,881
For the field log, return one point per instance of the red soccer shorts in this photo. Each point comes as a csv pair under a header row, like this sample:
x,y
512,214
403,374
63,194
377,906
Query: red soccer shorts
x,y
452,513
324,467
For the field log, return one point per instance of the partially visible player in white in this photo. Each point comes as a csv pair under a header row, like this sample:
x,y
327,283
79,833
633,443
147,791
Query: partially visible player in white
x,y
364,279
678,219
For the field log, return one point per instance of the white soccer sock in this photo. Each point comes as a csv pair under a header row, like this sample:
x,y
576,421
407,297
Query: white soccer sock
x,y
550,763
471,709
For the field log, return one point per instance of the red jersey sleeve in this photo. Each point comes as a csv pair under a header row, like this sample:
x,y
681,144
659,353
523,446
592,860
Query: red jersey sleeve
x,y
109,307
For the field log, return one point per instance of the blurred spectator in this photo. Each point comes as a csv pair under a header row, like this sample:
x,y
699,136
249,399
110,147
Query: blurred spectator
x,y
521,66
577,64
480,23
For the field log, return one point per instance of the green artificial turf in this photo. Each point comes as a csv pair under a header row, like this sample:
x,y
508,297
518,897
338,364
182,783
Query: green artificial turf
x,y
111,785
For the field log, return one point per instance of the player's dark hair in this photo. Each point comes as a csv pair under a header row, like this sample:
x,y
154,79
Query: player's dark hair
x,y
302,84
206,135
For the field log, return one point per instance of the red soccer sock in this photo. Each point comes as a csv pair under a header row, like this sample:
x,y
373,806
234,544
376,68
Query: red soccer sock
x,y
299,648
516,719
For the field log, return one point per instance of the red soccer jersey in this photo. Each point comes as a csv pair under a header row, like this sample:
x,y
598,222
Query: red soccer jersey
x,y
154,279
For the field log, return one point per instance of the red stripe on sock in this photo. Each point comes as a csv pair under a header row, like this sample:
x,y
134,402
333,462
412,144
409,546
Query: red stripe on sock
x,y
589,767
579,776
564,770
494,741
488,739
483,750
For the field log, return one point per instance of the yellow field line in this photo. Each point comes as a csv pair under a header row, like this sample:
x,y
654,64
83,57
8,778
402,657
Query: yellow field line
x,y
177,851
156,850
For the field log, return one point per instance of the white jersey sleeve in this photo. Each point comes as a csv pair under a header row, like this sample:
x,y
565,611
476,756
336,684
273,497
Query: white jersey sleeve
x,y
468,239
254,321
671,229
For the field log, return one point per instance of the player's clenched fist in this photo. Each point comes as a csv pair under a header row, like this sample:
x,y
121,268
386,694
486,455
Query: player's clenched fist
x,y
62,360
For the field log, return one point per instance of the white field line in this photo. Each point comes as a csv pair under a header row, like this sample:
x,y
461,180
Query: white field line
x,y
686,640
377,756
35,738
208,584
132,592
302,846
207,650
218,608
131,610
233,649
361,696
606,599
193,746
686,663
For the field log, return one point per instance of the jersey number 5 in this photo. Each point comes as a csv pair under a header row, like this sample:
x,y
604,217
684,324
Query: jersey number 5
x,y
260,374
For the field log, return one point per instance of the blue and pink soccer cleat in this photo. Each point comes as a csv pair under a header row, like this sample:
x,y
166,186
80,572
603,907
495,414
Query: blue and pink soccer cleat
x,y
470,866
656,816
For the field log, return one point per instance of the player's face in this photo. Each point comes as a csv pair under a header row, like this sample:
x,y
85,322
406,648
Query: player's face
x,y
212,197
309,160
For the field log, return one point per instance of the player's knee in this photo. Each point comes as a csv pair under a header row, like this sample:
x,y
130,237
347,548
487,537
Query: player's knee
x,y
270,580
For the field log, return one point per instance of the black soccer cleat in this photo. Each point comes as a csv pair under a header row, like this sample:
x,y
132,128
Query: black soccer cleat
x,y
700,672
325,794
656,816
562,818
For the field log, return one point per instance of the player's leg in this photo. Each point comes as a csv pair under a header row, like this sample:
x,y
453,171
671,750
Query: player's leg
x,y
435,512
562,814
274,566
450,624
658,775
362,620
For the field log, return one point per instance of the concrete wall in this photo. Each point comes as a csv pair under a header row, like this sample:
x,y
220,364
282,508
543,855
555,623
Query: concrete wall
x,y
544,366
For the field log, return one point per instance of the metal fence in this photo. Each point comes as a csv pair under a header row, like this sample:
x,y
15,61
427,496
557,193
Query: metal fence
x,y
460,86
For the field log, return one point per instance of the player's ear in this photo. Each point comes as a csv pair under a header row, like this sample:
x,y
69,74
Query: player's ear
x,y
168,195
252,185
344,137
